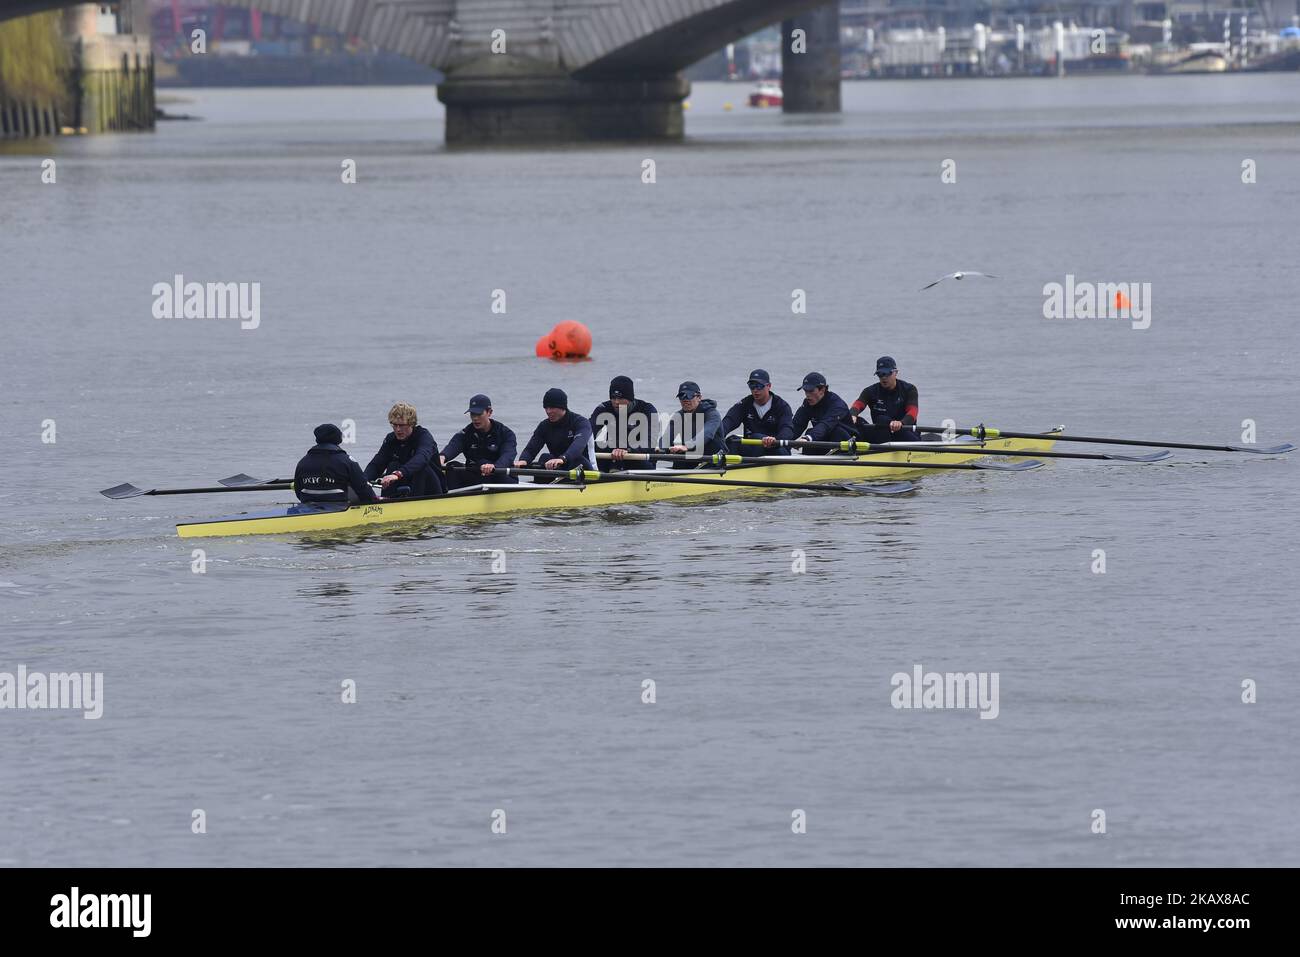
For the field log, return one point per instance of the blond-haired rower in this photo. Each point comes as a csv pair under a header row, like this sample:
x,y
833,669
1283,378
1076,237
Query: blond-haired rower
x,y
407,462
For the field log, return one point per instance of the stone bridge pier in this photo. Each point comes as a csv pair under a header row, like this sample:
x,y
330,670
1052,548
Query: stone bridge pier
x,y
607,69
499,100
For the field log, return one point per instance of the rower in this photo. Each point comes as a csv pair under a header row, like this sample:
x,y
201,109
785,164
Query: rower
x,y
566,436
824,416
629,424
327,474
892,405
407,460
487,445
763,415
703,436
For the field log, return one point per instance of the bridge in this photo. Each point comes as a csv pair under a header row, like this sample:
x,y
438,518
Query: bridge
x,y
529,71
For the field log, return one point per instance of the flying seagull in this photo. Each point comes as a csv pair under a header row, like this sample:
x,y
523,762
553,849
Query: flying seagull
x,y
959,275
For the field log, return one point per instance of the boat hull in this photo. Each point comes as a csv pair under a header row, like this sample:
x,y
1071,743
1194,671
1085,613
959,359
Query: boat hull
x,y
505,499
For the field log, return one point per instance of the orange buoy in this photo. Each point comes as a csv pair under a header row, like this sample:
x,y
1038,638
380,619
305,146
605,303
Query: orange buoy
x,y
1121,301
568,340
575,339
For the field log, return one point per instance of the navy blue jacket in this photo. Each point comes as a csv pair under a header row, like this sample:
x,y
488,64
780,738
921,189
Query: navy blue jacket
x,y
712,436
829,419
416,458
607,414
326,473
497,446
569,439
778,422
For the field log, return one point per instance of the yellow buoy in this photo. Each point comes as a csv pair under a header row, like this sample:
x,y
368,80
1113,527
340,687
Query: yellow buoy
x,y
726,107
686,104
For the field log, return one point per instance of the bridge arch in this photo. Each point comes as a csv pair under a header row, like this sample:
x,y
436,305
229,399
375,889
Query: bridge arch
x,y
572,69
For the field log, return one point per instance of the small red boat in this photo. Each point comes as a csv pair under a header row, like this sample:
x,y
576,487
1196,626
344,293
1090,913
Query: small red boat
x,y
766,94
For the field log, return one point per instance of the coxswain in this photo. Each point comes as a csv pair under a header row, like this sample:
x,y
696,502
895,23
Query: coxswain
x,y
702,433
486,444
761,415
327,474
407,461
565,435
824,416
624,424
890,405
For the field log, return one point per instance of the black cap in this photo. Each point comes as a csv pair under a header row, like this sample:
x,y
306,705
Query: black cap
x,y
620,387
478,403
328,434
760,376
688,390
555,399
885,365
812,380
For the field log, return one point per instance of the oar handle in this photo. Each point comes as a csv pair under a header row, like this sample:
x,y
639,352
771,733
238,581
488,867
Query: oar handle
x,y
718,458
853,445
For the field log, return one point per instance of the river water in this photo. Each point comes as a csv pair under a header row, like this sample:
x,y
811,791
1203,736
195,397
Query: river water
x,y
521,691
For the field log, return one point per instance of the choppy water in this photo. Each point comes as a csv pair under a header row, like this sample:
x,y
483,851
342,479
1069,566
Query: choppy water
x,y
521,691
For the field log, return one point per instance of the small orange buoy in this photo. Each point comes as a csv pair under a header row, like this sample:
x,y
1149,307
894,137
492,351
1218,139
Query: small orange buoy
x,y
1121,301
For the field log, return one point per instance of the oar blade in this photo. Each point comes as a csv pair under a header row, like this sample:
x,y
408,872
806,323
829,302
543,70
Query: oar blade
x,y
881,488
995,466
125,490
1149,457
1265,449
234,481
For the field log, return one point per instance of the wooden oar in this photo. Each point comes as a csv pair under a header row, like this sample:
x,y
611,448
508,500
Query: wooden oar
x,y
127,490
732,460
982,432
588,476
860,448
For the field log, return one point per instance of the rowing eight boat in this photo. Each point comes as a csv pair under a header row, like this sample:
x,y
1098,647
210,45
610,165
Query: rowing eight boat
x,y
482,500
